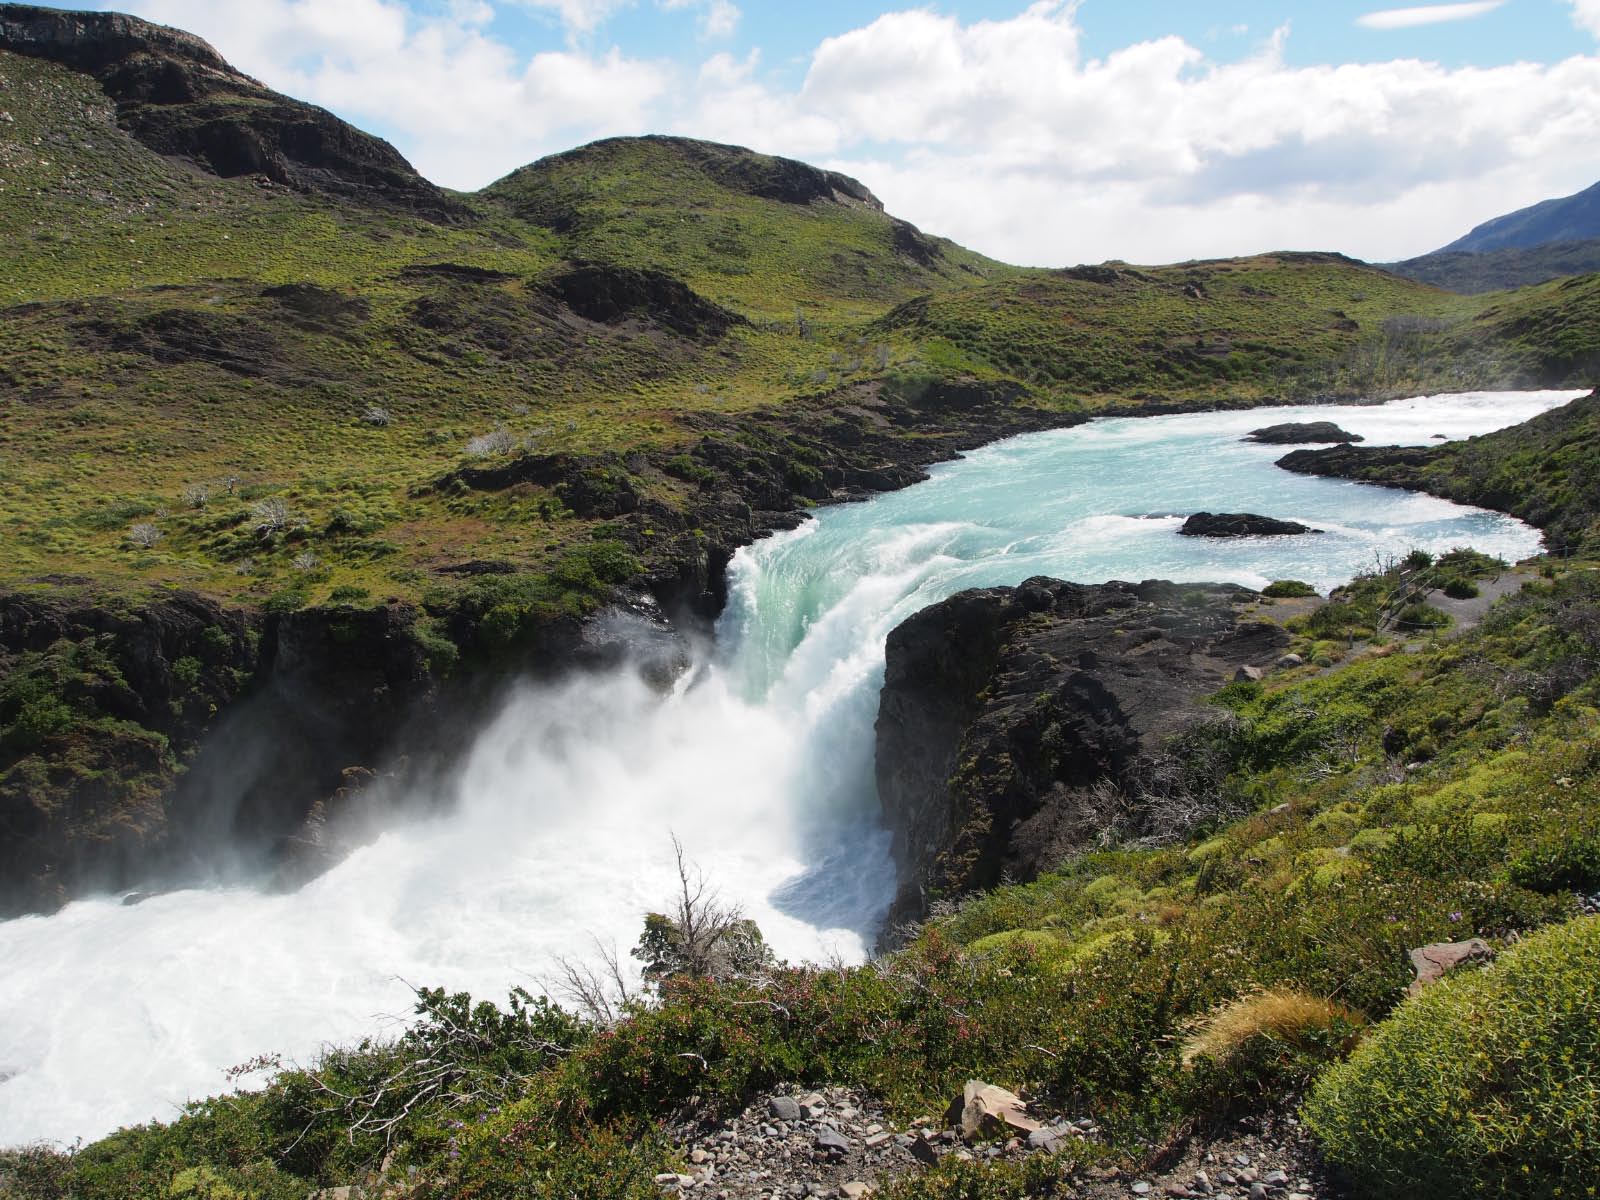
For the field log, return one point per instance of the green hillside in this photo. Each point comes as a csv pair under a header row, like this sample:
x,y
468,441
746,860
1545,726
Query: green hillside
x,y
768,236
1277,326
182,348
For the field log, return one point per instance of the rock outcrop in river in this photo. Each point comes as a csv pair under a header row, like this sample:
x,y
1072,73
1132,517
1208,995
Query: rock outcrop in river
x,y
1540,471
1301,433
1234,525
1019,724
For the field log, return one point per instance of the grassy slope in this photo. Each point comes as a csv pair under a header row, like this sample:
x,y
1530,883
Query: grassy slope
x,y
143,360
677,205
1249,330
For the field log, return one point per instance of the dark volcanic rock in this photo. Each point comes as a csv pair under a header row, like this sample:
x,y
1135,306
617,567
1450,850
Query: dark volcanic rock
x,y
591,486
1395,466
610,294
177,335
147,743
1232,525
1004,710
1301,433
179,97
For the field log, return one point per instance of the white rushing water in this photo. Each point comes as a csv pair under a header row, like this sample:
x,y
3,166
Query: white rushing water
x,y
559,827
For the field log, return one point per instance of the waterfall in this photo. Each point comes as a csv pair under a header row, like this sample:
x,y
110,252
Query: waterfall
x,y
557,830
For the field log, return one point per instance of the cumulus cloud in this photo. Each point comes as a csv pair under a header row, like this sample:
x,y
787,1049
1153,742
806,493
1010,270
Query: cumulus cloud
x,y
463,106
1426,14
1016,144
1000,133
1586,15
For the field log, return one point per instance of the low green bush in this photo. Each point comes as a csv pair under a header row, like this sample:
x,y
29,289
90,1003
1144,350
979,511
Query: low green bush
x,y
1485,1085
1421,616
1288,589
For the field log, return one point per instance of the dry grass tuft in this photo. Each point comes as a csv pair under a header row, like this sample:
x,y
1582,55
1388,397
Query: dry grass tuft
x,y
1283,1014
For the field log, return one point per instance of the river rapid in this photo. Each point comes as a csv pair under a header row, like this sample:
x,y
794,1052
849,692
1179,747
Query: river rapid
x,y
558,829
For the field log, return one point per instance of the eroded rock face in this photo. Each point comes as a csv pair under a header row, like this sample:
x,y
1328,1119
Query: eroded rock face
x,y
1232,525
1004,709
167,729
611,294
1302,433
179,97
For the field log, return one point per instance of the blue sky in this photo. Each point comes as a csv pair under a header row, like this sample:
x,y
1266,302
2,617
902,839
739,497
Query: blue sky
x,y
1534,30
1052,132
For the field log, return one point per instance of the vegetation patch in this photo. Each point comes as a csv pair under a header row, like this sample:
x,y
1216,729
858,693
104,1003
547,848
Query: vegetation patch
x,y
1491,1072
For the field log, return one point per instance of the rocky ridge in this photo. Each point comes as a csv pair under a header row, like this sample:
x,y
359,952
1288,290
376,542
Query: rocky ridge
x,y
179,97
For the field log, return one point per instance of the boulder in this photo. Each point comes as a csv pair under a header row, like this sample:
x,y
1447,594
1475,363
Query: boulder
x,y
1302,433
1434,961
984,1110
784,1108
831,1141
1230,525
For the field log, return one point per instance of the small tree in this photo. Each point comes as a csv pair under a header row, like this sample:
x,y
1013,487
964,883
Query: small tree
x,y
702,938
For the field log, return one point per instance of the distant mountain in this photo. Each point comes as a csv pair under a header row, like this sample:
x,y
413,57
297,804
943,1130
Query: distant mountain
x,y
1495,270
1544,241
1569,219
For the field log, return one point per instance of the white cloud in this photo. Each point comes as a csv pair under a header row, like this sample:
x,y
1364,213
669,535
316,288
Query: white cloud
x,y
1000,133
718,18
1586,15
1426,14
579,16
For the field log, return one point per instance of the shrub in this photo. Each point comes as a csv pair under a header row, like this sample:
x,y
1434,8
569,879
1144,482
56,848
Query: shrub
x,y
497,441
1420,616
1460,589
269,516
1484,1085
1288,589
144,535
